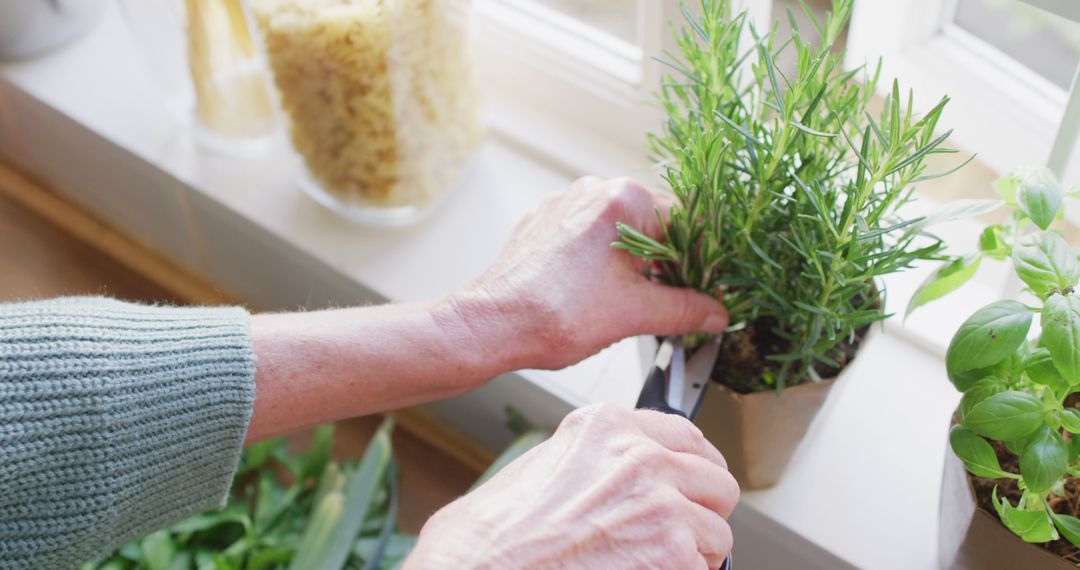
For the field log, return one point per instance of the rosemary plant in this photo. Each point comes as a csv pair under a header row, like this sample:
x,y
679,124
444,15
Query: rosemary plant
x,y
787,189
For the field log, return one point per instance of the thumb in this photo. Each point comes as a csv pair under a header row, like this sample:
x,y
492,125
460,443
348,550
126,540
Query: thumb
x,y
678,310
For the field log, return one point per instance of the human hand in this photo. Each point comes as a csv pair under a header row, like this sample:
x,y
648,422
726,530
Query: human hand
x,y
612,488
562,293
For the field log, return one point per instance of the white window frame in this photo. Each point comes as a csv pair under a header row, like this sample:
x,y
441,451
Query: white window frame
x,y
1000,109
581,103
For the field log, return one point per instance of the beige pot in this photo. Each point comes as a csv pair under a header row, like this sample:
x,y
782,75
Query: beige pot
x,y
758,433
970,538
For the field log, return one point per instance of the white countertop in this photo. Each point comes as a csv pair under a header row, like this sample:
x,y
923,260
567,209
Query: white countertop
x,y
863,488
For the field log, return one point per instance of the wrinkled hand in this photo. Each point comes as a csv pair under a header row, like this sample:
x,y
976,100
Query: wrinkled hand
x,y
612,488
561,292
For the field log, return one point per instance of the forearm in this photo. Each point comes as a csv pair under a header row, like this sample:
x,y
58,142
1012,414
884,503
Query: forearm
x,y
327,365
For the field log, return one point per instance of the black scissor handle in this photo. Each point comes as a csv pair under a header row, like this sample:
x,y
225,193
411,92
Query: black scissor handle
x,y
654,393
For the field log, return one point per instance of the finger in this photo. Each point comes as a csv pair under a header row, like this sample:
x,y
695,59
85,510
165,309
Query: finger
x,y
676,433
705,483
712,533
679,310
586,182
644,208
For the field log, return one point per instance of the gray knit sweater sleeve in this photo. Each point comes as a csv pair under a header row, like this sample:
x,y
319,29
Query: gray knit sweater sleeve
x,y
115,419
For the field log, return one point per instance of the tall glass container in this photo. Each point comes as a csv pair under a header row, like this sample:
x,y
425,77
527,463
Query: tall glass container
x,y
210,68
380,98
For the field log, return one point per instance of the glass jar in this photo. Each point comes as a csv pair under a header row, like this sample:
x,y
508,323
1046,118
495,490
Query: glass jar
x,y
210,68
380,98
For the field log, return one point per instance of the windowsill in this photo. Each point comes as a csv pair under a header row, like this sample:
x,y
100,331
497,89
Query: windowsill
x,y
88,121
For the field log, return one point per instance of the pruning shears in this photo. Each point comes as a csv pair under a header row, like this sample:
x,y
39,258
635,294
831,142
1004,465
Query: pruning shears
x,y
676,385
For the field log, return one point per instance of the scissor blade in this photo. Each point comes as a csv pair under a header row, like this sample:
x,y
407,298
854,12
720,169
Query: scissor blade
x,y
676,386
696,379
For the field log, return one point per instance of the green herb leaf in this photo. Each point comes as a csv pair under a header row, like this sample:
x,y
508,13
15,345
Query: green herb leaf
x,y
1043,461
1061,334
945,280
1069,526
992,243
990,335
966,380
1070,419
1040,369
1006,187
1046,263
1006,416
1031,526
980,391
1039,196
976,453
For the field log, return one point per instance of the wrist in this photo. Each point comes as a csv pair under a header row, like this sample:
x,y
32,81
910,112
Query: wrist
x,y
484,331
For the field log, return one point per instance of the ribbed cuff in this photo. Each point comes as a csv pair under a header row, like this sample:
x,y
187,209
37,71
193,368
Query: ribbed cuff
x,y
115,419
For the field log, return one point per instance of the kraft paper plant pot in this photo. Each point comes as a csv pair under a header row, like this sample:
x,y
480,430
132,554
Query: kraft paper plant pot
x,y
969,538
759,432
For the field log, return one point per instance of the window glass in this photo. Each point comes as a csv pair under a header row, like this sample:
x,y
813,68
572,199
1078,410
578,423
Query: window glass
x,y
617,18
1043,42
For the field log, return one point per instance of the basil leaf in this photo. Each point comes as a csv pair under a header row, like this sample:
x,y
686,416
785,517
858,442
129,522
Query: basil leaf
x,y
1070,419
1006,187
988,336
980,391
946,279
1043,461
1040,369
1045,262
992,243
1031,526
1039,196
1069,527
1006,415
967,379
978,456
1061,335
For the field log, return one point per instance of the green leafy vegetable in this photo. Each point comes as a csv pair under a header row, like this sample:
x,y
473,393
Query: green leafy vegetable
x,y
300,520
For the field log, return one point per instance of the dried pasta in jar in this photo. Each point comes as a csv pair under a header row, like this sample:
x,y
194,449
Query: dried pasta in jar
x,y
380,94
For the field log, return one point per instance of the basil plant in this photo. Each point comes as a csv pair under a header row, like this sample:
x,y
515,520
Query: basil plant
x,y
1018,373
